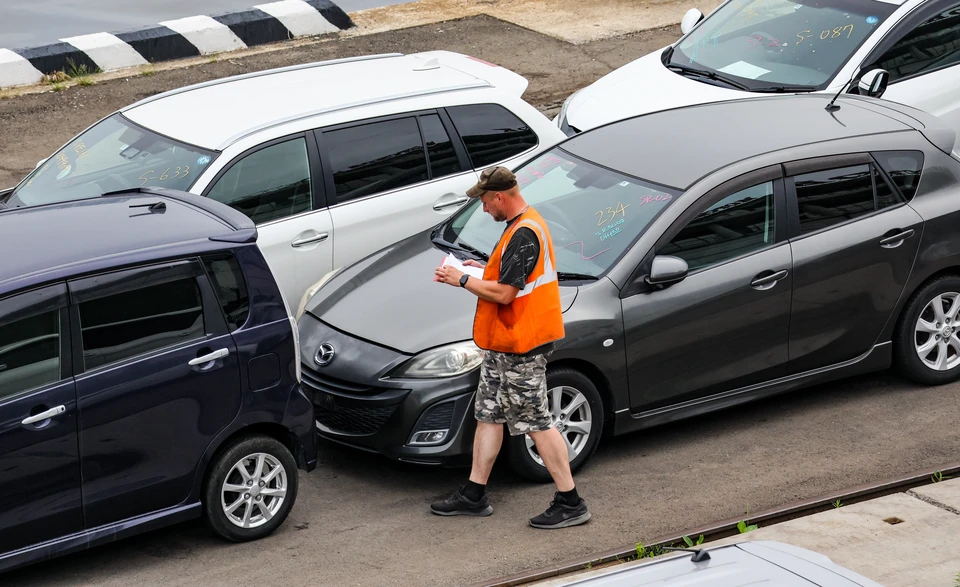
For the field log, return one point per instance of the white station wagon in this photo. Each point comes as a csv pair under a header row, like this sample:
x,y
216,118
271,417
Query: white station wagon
x,y
332,160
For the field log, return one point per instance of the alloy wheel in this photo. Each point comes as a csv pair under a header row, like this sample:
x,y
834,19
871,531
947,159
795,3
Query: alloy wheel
x,y
254,490
572,416
935,338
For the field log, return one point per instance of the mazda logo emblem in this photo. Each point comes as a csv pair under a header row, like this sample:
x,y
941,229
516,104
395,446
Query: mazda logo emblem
x,y
325,354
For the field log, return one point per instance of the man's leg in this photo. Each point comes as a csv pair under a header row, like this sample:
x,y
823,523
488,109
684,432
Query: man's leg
x,y
553,451
486,447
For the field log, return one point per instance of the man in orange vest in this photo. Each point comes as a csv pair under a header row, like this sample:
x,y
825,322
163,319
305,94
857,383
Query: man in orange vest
x,y
518,320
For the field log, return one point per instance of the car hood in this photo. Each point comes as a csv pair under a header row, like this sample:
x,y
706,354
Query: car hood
x,y
390,299
640,87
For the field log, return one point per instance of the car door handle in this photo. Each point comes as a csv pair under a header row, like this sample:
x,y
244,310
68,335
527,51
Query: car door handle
x,y
310,240
455,202
896,240
44,415
211,357
768,281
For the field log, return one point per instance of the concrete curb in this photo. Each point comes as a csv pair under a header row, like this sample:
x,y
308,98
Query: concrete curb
x,y
175,39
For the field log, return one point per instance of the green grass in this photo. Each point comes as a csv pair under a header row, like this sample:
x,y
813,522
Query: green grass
x,y
59,87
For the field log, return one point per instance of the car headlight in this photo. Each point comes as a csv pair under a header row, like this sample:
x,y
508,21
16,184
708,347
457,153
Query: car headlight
x,y
446,361
312,291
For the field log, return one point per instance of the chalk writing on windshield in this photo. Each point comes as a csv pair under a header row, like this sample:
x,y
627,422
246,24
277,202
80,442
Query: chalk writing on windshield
x,y
825,34
180,172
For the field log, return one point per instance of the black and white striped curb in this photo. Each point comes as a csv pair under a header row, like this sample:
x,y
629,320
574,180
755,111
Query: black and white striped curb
x,y
174,39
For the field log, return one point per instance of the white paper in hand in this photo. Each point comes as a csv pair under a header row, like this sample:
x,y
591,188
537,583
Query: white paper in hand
x,y
452,261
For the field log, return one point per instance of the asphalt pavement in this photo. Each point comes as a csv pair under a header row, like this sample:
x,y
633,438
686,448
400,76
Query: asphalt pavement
x,y
31,23
361,520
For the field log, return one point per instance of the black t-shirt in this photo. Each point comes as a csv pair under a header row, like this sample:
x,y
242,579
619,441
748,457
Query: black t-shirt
x,y
517,263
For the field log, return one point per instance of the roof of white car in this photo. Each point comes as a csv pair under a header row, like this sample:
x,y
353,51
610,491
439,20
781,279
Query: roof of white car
x,y
215,114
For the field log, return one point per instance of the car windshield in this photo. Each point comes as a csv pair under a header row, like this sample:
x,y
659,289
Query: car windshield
x,y
113,155
778,45
593,214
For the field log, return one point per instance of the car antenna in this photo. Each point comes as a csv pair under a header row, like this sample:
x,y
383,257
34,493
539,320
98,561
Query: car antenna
x,y
699,554
831,107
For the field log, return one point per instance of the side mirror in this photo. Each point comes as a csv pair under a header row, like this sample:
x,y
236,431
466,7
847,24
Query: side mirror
x,y
874,82
667,269
41,162
690,20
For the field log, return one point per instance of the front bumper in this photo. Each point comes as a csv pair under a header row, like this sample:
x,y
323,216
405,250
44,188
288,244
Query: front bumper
x,y
384,418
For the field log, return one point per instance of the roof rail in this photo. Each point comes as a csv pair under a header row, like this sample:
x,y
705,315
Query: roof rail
x,y
239,222
348,106
257,74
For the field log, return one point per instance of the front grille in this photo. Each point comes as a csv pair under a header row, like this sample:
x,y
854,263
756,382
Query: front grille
x,y
319,382
438,417
362,420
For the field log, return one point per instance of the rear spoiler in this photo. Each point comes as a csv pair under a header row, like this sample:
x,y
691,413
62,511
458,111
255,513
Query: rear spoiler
x,y
499,77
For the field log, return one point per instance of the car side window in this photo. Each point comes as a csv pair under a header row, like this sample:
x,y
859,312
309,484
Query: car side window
x,y
443,159
230,288
903,167
832,196
491,133
132,322
933,44
29,348
268,184
375,157
738,224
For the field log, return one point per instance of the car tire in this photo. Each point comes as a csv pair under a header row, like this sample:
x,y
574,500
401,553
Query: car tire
x,y
225,474
571,384
911,335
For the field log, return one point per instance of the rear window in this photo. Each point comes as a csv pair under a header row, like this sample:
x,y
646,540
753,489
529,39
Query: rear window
x,y
903,167
113,155
491,133
231,290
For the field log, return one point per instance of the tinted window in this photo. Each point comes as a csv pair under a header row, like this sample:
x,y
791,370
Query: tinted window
x,y
932,45
903,167
491,133
886,197
443,159
829,197
29,352
268,184
131,323
376,157
738,224
231,290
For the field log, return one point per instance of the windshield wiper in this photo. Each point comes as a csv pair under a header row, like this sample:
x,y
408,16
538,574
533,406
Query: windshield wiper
x,y
783,89
565,276
685,69
460,246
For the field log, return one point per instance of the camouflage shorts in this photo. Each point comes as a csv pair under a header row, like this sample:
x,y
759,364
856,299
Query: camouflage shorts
x,y
513,391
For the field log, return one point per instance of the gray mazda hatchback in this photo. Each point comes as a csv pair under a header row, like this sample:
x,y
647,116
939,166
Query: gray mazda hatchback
x,y
709,255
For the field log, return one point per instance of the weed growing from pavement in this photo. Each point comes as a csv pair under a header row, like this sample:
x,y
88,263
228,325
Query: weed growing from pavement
x,y
59,87
744,528
55,77
644,552
690,543
938,476
837,504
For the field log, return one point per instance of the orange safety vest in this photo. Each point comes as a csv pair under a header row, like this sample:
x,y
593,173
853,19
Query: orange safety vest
x,y
534,317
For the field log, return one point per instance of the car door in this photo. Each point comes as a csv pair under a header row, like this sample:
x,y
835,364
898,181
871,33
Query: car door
x,y
390,178
922,55
854,241
278,185
158,380
40,485
726,324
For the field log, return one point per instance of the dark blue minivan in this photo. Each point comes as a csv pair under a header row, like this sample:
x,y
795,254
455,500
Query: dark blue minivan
x,y
149,373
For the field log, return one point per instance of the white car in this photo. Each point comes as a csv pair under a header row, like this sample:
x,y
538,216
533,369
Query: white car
x,y
332,160
745,47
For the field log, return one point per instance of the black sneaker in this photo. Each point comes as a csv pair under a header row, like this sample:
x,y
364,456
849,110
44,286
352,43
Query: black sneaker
x,y
561,515
458,505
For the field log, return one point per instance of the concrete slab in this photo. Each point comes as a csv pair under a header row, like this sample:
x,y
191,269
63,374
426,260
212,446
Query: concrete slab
x,y
922,550
946,494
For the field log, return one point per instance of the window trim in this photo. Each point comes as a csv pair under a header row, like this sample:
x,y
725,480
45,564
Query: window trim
x,y
636,285
56,295
315,170
907,24
889,179
324,144
824,164
524,154
213,320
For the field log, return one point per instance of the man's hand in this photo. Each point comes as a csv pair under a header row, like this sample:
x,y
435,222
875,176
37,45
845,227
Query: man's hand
x,y
474,263
448,275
